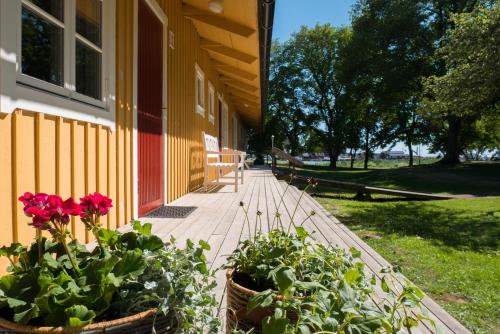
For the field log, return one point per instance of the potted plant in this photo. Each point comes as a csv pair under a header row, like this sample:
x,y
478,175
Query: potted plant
x,y
129,282
283,282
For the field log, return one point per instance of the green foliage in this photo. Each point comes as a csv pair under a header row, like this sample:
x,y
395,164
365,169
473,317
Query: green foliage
x,y
436,243
382,67
47,290
323,287
468,93
286,118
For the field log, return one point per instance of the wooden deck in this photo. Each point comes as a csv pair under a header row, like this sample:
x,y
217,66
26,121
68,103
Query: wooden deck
x,y
220,221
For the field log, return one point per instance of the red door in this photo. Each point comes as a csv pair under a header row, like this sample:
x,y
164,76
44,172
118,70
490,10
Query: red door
x,y
149,110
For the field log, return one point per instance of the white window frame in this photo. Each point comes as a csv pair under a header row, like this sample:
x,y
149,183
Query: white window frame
x,y
21,91
199,105
235,132
211,103
225,124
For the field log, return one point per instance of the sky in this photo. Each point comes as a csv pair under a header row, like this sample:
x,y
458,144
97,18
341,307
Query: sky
x,y
290,15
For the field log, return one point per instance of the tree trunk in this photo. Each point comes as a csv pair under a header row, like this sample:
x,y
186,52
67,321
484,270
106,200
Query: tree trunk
x,y
452,146
410,149
353,158
350,155
367,149
333,162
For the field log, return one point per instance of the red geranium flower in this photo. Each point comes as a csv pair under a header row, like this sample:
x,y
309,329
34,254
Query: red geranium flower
x,y
44,208
95,204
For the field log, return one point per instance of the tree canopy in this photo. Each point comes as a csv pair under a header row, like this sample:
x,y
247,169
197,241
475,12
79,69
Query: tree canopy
x,y
410,71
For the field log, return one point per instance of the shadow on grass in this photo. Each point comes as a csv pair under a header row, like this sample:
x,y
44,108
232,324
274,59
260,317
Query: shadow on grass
x,y
367,199
479,179
452,227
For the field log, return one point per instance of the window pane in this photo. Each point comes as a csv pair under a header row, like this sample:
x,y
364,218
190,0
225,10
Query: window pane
x,y
200,92
53,7
42,48
88,20
88,71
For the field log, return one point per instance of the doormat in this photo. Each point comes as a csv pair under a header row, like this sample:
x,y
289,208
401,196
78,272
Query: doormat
x,y
171,212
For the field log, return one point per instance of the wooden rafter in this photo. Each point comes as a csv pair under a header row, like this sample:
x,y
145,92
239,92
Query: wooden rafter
x,y
216,21
242,94
243,101
226,51
238,84
233,71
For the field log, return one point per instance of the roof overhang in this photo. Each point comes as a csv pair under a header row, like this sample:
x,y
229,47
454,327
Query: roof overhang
x,y
238,41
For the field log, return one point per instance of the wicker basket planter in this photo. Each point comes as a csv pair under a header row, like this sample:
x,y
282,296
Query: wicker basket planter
x,y
140,323
237,316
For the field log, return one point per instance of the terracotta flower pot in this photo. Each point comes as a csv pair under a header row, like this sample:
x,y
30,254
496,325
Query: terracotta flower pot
x,y
140,323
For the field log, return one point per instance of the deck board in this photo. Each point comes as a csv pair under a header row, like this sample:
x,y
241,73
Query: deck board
x,y
220,220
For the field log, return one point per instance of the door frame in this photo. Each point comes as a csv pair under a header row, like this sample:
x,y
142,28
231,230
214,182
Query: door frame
x,y
153,5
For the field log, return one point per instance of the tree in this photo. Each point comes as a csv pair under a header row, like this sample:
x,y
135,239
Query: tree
x,y
286,118
389,54
316,53
463,104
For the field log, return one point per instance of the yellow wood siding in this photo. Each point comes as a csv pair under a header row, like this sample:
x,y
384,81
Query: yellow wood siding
x,y
43,153
184,125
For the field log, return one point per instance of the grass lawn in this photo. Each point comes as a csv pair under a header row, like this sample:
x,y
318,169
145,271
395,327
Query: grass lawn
x,y
450,248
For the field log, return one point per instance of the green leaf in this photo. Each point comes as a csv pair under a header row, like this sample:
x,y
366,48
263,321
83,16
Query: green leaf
x,y
301,232
142,228
260,300
131,265
310,285
50,261
150,243
284,278
353,276
355,252
276,252
10,302
25,313
271,325
384,285
108,237
79,316
204,245
14,249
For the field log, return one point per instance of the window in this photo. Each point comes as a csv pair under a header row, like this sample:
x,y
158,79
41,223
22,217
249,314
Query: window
x,y
235,132
42,41
61,61
200,91
211,103
88,48
224,124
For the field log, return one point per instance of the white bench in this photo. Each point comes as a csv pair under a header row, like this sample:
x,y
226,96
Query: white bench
x,y
214,159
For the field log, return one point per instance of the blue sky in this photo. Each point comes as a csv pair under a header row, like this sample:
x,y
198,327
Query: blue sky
x,y
290,15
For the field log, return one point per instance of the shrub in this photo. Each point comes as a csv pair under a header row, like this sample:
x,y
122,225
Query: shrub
x,y
56,282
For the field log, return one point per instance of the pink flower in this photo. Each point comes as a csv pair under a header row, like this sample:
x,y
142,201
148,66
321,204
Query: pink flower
x,y
60,211
40,222
95,204
29,200
71,208
26,198
40,217
44,208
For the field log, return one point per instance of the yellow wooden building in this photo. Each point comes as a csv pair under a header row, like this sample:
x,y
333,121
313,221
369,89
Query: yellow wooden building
x,y
112,96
